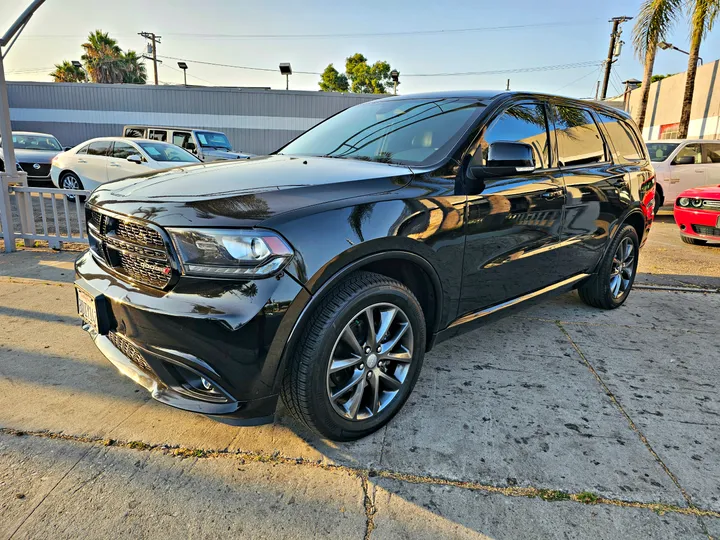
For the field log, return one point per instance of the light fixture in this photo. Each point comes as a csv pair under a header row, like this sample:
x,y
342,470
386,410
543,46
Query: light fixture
x,y
183,66
286,69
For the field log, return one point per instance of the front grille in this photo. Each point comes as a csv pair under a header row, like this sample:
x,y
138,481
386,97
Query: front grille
x,y
705,230
43,171
711,205
129,350
129,248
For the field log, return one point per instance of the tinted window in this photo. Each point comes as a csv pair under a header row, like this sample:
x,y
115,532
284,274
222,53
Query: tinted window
x,y
158,135
135,133
660,151
520,123
712,153
83,150
406,131
691,150
181,138
167,152
578,138
627,147
122,150
99,148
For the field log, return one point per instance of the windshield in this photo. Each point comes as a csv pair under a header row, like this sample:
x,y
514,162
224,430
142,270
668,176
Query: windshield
x,y
404,131
36,142
167,152
208,139
660,151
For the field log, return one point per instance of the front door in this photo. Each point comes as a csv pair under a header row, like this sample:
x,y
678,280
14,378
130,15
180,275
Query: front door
x,y
514,223
118,165
686,171
93,165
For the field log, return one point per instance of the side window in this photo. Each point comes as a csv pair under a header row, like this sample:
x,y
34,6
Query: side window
x,y
99,148
712,153
181,138
578,138
135,133
122,150
689,155
83,150
623,139
520,123
158,135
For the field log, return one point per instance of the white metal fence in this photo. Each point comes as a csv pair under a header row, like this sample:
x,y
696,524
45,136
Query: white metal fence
x,y
46,214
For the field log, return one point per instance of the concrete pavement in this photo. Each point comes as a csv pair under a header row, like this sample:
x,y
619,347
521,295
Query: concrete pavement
x,y
561,421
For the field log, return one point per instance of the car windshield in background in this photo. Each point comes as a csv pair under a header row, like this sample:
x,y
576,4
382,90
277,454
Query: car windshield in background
x,y
403,131
208,139
167,152
660,151
35,142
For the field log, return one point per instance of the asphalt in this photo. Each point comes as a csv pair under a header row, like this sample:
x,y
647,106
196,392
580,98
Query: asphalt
x,y
559,422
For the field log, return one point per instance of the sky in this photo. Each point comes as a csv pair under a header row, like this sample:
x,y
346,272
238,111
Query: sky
x,y
512,35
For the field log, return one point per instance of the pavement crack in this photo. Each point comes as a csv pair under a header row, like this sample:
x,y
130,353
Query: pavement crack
x,y
365,475
627,416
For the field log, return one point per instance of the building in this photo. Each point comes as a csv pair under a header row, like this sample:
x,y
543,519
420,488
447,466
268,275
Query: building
x,y
665,105
255,120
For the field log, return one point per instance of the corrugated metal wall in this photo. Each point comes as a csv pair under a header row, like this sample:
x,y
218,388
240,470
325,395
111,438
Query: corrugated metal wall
x,y
255,120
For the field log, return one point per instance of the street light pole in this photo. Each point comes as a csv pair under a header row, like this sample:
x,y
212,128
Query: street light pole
x,y
183,66
664,45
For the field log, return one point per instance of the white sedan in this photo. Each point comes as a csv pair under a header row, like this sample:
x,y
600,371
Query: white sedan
x,y
97,161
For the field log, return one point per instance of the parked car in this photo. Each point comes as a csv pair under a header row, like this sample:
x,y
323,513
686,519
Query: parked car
x,y
105,159
206,145
697,213
34,152
324,273
683,164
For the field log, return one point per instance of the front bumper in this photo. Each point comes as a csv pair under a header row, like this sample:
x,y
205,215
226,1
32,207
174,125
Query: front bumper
x,y
703,224
228,333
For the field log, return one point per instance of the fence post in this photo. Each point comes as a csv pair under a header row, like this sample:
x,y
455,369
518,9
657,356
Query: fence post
x,y
5,214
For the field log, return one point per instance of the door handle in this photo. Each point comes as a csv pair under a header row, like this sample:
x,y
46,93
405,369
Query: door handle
x,y
552,194
81,161
699,170
112,164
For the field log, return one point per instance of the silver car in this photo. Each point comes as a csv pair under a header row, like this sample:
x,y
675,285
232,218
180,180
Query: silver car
x,y
34,153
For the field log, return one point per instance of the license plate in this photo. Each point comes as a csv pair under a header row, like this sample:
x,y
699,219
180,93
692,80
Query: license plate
x,y
87,308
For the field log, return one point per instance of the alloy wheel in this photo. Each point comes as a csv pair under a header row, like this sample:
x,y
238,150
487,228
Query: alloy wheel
x,y
370,362
623,267
70,181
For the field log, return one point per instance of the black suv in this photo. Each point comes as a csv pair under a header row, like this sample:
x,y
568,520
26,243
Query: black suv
x,y
324,272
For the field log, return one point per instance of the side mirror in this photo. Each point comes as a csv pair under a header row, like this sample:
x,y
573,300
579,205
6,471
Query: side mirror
x,y
684,160
67,148
135,158
190,147
505,159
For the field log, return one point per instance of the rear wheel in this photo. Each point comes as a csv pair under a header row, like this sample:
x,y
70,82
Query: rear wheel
x,y
610,286
658,201
70,180
693,241
359,358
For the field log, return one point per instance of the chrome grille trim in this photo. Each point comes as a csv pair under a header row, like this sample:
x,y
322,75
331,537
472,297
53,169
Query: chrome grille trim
x,y
711,204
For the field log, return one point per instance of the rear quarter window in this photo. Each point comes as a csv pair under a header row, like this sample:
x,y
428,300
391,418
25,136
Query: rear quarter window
x,y
578,138
622,137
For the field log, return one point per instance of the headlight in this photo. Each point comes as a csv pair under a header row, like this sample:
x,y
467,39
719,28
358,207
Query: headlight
x,y
697,203
230,253
684,201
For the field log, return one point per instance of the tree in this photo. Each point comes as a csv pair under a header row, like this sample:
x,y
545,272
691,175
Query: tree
x,y
66,72
702,17
103,58
135,72
655,20
359,76
333,81
658,77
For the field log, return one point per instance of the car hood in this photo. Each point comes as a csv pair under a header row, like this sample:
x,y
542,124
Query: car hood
x,y
35,156
224,154
244,193
707,192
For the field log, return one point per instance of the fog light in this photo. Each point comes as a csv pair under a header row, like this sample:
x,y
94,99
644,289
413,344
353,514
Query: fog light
x,y
682,227
207,385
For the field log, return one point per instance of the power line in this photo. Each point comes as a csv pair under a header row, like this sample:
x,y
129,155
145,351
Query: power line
x,y
576,80
216,64
189,74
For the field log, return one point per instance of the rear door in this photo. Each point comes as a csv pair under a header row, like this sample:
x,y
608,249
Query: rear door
x,y
118,165
94,163
513,223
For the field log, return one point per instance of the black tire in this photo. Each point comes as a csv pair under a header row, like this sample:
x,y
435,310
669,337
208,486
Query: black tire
x,y
658,201
307,382
71,176
597,291
693,241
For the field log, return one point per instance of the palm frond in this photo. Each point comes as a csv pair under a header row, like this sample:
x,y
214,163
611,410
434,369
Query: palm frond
x,y
655,20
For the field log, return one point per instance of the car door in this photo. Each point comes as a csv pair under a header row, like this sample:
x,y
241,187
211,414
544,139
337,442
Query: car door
x,y
711,162
598,190
512,224
93,165
118,165
686,170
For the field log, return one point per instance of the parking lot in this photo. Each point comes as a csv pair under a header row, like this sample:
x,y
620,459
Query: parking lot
x,y
561,421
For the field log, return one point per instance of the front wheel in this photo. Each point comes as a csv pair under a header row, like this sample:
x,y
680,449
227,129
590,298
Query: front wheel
x,y
610,286
658,202
359,358
70,180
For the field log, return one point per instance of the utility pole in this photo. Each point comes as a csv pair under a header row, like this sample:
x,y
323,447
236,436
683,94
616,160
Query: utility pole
x,y
155,40
613,51
507,86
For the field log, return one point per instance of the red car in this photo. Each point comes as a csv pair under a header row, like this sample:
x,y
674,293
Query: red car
x,y
697,213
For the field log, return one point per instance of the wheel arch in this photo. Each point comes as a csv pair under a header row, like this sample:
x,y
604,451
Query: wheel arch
x,y
635,218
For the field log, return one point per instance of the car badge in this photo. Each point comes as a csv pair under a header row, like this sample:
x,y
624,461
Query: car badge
x,y
36,166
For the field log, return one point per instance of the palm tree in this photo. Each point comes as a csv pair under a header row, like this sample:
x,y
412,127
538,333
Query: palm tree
x,y
135,72
103,58
66,72
654,22
702,17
